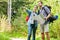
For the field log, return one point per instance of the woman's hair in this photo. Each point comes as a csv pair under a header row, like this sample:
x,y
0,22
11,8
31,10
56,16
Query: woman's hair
x,y
36,6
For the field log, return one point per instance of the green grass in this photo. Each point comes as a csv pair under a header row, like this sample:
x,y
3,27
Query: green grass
x,y
7,36
46,39
4,37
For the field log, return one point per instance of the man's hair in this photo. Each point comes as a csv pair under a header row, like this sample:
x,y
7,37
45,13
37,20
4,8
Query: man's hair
x,y
41,2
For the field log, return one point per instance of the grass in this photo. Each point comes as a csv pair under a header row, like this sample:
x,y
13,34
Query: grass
x,y
4,37
46,39
7,36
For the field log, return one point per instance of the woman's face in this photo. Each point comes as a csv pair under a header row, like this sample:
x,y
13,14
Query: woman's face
x,y
35,8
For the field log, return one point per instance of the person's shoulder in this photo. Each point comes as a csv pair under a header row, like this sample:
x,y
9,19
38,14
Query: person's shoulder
x,y
45,6
36,13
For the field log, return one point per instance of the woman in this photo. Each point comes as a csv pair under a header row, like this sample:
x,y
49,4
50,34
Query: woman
x,y
32,23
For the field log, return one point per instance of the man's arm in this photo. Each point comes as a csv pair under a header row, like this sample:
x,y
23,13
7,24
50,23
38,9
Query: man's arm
x,y
49,15
49,12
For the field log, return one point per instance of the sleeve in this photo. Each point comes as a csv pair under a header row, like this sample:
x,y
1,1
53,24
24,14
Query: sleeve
x,y
47,10
28,11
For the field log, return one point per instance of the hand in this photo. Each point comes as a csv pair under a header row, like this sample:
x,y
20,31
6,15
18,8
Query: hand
x,y
45,18
24,8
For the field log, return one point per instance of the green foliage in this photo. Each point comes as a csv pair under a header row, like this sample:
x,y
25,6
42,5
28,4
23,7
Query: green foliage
x,y
55,28
3,8
4,37
19,25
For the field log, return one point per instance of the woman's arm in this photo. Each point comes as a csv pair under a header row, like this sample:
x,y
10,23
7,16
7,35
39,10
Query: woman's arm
x,y
27,10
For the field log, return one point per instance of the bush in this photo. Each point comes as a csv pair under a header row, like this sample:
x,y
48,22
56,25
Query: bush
x,y
55,29
4,37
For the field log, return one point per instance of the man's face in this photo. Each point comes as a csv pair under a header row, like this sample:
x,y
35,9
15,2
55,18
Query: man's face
x,y
40,4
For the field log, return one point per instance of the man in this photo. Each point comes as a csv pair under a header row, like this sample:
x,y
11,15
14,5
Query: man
x,y
44,28
32,23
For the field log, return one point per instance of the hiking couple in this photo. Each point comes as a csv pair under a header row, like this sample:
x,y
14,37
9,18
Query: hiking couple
x,y
42,16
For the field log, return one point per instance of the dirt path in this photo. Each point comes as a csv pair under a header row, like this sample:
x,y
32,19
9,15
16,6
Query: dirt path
x,y
18,38
22,38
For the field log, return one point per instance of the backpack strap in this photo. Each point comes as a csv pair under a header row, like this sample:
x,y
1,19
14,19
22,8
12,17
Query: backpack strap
x,y
45,10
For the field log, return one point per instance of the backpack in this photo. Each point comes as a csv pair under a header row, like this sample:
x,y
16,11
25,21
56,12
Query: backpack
x,y
27,17
52,18
44,9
